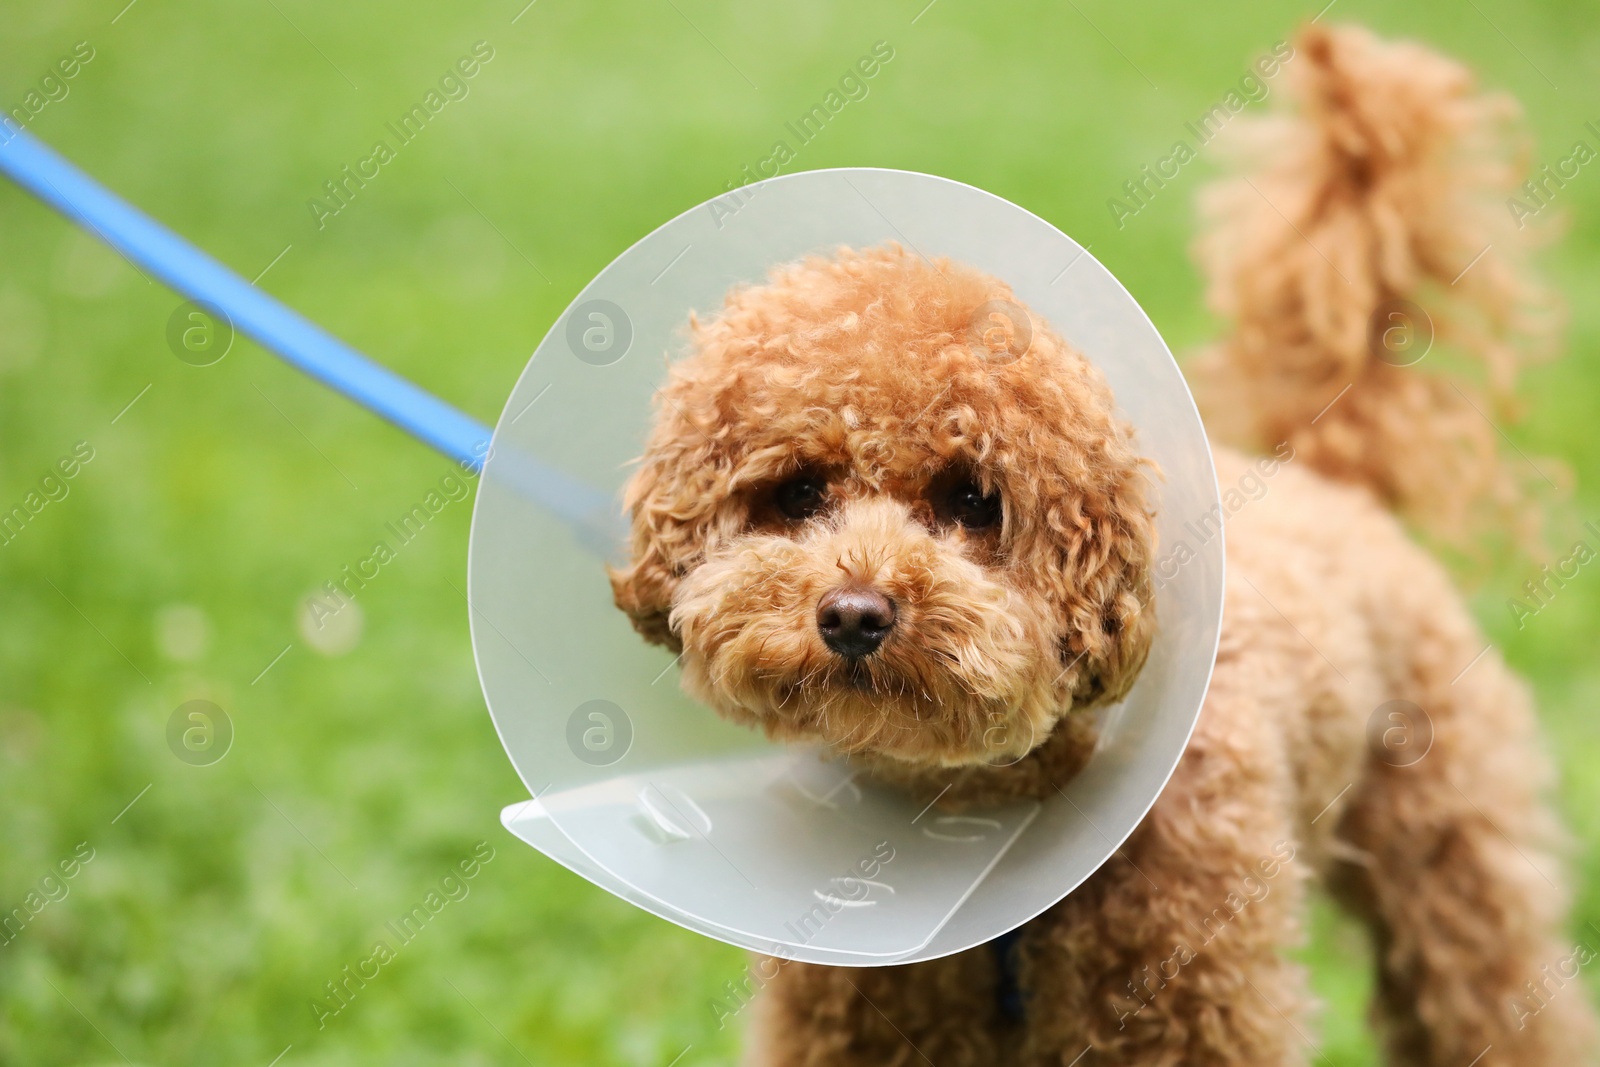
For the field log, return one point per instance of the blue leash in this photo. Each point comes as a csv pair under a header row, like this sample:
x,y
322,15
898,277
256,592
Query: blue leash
x,y
31,164
188,270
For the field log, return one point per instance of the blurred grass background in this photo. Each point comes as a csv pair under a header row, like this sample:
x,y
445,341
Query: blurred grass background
x,y
218,905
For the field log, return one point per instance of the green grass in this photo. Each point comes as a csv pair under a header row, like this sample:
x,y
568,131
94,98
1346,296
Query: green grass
x,y
218,905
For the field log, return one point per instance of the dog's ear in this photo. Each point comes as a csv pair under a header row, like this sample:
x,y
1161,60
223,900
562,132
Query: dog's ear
x,y
1113,619
1095,563
643,589
681,495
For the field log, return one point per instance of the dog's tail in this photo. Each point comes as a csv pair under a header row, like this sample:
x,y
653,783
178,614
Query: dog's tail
x,y
1365,244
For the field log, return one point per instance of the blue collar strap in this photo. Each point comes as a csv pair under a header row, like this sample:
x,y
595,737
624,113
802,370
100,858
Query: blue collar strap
x,y
1007,988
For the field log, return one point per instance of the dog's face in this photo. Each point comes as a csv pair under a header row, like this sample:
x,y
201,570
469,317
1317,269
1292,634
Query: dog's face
x,y
883,507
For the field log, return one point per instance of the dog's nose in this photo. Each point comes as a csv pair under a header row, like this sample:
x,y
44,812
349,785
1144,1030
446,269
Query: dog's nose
x,y
854,620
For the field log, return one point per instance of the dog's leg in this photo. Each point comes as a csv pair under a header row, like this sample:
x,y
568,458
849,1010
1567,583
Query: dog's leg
x,y
1170,953
1455,873
944,1011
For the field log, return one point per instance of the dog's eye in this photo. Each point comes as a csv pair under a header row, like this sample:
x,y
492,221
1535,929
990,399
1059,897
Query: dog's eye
x,y
971,507
800,498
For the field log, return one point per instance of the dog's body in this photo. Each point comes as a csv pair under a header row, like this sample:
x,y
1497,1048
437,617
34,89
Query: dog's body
x,y
874,515
1172,953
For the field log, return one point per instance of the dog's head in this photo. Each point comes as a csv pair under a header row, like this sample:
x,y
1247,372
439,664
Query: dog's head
x,y
884,507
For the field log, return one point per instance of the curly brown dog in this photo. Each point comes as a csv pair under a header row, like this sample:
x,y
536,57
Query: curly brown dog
x,y
863,529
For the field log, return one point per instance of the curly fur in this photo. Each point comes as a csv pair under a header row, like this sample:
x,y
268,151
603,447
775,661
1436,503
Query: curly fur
x,y
884,374
1389,187
877,369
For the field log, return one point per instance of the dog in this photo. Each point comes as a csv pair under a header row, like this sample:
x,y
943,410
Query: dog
x,y
873,514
